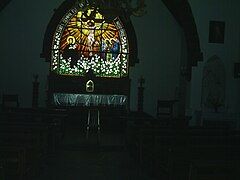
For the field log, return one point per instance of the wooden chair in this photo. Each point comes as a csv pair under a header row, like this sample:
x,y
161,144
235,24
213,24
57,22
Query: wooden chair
x,y
10,100
165,109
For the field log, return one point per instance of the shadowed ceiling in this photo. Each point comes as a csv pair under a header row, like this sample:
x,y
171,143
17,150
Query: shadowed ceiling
x,y
3,4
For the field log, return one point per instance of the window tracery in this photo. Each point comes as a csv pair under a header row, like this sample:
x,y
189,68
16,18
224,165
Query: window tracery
x,y
84,40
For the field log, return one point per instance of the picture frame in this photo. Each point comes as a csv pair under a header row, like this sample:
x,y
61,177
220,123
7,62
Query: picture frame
x,y
216,31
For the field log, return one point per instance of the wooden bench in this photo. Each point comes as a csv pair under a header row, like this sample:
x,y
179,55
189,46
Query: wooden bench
x,y
33,138
132,137
13,162
55,121
214,156
21,154
170,153
27,137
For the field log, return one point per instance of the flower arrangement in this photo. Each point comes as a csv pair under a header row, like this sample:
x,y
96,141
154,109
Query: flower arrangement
x,y
215,102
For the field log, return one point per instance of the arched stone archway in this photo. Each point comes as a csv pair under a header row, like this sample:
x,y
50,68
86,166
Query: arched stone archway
x,y
181,10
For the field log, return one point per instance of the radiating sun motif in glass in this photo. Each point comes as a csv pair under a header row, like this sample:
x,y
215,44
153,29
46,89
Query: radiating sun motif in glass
x,y
85,41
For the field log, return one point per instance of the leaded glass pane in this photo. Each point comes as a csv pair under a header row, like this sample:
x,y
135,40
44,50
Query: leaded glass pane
x,y
85,41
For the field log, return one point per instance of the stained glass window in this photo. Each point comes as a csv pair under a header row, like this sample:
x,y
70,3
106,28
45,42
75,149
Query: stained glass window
x,y
85,40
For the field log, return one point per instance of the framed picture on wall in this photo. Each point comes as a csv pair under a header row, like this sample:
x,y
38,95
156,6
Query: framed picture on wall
x,y
216,31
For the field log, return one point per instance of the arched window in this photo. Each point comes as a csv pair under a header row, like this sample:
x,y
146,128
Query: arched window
x,y
85,40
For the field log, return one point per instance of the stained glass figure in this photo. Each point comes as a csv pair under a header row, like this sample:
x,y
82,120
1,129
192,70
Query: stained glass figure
x,y
84,40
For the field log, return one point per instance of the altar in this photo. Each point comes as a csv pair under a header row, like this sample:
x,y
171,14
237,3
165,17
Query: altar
x,y
68,99
90,48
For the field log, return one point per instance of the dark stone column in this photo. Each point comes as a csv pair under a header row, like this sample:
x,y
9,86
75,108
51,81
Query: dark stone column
x,y
140,99
141,81
35,92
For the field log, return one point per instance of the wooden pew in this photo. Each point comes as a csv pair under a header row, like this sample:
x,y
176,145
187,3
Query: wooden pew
x,y
33,138
176,155
2,170
132,137
202,151
44,131
213,156
13,162
54,119
146,142
22,154
29,132
140,141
